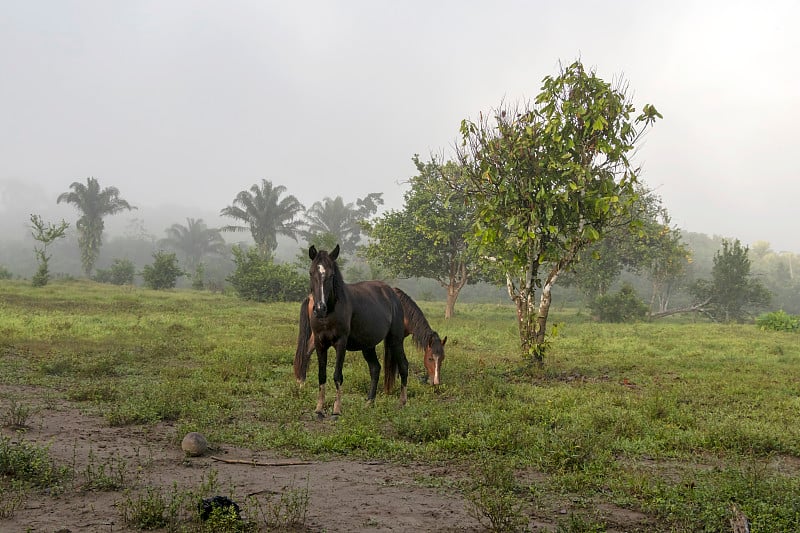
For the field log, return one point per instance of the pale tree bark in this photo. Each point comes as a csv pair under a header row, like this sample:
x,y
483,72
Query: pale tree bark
x,y
694,308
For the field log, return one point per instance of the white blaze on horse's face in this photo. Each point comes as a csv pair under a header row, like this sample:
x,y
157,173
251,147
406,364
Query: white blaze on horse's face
x,y
322,271
320,300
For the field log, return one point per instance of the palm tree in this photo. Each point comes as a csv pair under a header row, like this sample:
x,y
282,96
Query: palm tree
x,y
265,214
95,204
194,241
332,218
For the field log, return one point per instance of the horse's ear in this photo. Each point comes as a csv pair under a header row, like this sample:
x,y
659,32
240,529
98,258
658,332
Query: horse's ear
x,y
444,340
335,253
312,252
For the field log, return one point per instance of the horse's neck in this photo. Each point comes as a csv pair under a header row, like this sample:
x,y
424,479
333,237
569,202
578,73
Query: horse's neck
x,y
422,332
340,293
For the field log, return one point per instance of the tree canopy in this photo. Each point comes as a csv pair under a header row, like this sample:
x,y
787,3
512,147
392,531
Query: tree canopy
x,y
427,238
545,178
333,221
263,213
95,204
732,294
194,241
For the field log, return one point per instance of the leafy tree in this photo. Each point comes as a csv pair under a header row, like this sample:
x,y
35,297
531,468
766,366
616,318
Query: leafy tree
x,y
194,241
163,273
45,234
265,215
121,272
95,204
428,237
732,294
667,259
777,269
624,306
645,244
545,181
260,279
331,220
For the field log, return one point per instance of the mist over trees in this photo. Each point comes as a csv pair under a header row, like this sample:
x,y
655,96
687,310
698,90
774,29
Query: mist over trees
x,y
133,239
535,193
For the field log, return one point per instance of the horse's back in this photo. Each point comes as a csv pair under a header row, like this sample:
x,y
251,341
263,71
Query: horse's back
x,y
377,314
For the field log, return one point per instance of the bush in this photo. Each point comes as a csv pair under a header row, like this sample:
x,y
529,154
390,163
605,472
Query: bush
x,y
778,321
198,277
120,273
5,273
623,306
259,279
164,271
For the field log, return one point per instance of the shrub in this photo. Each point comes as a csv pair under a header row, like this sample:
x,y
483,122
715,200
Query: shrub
x,y
120,273
198,277
259,279
164,271
778,321
623,306
5,273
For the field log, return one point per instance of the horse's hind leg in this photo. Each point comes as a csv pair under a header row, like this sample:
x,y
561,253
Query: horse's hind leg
x,y
374,372
338,377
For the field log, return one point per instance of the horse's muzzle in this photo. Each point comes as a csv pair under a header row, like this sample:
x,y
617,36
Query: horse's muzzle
x,y
320,310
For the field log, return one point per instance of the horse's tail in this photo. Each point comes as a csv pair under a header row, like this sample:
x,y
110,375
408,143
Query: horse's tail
x,y
390,368
393,354
302,355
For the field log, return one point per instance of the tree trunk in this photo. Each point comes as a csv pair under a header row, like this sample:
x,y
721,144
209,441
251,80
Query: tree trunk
x,y
450,306
458,278
694,308
526,320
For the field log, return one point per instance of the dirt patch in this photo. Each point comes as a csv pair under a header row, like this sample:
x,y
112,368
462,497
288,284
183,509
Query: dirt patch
x,y
344,495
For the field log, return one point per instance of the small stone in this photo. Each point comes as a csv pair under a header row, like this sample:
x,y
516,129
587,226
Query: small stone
x,y
194,444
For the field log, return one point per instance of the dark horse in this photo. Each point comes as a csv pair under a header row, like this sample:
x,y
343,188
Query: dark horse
x,y
352,317
414,324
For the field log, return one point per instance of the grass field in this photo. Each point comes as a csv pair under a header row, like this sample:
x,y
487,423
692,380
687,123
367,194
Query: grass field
x,y
678,420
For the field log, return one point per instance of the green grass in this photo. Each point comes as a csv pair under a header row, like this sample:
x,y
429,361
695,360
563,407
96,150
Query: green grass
x,y
674,419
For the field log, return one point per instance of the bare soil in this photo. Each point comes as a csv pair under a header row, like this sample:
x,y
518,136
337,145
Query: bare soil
x,y
344,495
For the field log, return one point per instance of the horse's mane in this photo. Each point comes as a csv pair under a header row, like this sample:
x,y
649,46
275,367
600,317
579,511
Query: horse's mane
x,y
421,331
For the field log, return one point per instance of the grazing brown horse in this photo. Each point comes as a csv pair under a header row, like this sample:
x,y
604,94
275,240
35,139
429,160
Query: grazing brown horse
x,y
423,336
351,317
414,324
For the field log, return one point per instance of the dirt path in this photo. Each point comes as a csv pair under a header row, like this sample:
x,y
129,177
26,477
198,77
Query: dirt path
x,y
343,495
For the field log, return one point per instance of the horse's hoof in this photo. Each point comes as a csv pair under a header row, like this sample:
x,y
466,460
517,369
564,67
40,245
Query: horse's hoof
x,y
320,416
335,416
370,402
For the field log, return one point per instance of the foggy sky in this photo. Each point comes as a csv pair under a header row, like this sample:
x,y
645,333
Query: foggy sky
x,y
187,102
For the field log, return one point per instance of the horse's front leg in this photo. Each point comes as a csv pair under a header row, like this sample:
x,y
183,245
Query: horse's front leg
x,y
338,377
402,367
374,372
322,358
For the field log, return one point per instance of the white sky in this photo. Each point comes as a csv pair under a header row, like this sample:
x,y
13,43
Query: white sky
x,y
187,102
